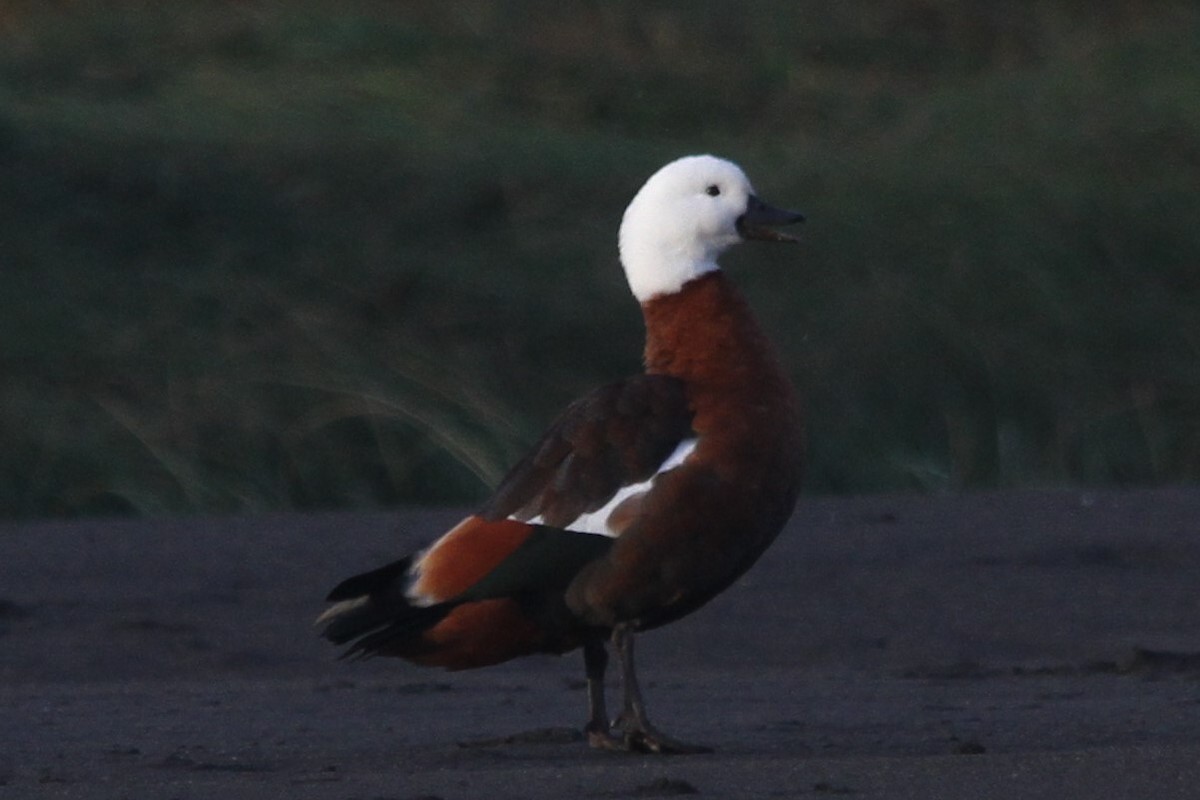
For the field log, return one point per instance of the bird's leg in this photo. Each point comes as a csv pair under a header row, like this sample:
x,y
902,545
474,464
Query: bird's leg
x,y
639,734
598,728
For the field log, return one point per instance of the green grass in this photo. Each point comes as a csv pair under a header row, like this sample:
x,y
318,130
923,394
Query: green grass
x,y
273,255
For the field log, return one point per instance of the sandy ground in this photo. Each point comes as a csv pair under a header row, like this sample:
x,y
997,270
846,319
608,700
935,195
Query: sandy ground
x,y
1005,645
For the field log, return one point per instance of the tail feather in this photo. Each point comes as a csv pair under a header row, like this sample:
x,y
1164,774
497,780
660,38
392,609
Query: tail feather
x,y
371,582
374,608
400,634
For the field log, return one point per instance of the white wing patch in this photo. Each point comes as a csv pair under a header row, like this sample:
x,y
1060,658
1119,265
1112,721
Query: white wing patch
x,y
597,521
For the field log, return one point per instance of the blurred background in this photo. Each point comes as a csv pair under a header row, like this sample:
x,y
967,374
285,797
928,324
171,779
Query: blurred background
x,y
317,254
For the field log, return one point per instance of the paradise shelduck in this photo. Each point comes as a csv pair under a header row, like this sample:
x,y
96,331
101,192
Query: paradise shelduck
x,y
644,499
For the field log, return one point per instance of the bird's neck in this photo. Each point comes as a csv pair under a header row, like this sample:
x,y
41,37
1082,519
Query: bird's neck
x,y
706,335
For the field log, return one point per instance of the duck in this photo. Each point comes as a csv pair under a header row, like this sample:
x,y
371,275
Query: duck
x,y
642,501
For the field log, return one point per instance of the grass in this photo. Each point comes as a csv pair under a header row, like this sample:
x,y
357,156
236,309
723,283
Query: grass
x,y
273,255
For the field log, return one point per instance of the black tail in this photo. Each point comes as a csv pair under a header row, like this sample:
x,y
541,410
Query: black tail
x,y
373,608
372,582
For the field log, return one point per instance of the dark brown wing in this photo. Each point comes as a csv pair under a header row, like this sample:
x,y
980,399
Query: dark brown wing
x,y
616,436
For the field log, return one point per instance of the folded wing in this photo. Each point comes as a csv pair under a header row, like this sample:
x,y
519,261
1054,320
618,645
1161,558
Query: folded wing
x,y
492,587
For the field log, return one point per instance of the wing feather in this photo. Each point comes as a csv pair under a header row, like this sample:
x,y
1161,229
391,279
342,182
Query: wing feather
x,y
617,436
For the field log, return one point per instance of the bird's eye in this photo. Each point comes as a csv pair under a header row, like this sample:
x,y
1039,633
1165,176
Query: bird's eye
x,y
713,190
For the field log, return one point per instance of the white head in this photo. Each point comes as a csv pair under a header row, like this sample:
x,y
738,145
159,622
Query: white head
x,y
684,217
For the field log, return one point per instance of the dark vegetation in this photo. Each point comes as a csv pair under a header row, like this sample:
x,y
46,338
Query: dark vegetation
x,y
312,254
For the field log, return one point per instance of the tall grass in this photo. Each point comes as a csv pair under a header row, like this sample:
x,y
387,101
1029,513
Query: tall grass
x,y
306,254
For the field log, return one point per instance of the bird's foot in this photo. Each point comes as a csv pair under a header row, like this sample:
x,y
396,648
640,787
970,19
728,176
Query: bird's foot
x,y
603,739
639,737
649,740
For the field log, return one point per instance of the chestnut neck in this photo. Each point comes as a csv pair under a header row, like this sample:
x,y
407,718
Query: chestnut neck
x,y
706,335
